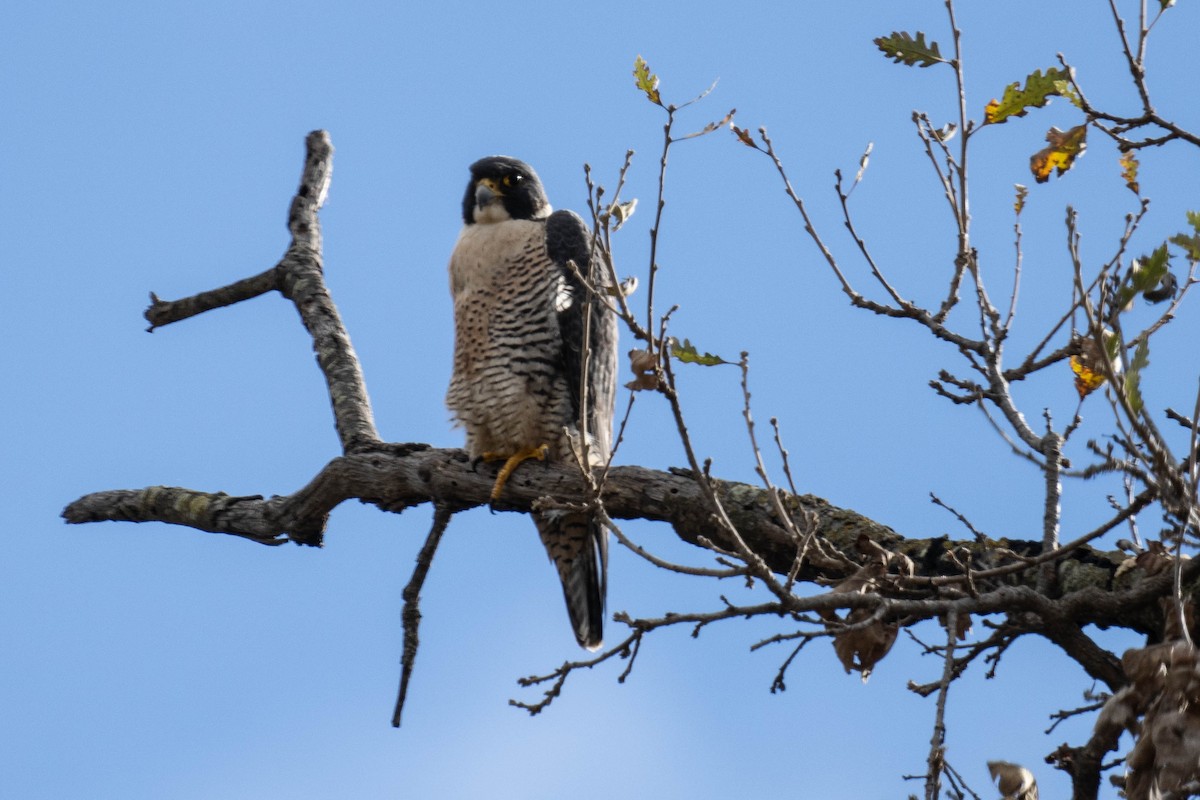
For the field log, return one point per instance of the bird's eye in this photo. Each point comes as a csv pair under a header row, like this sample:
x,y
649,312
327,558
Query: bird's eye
x,y
510,181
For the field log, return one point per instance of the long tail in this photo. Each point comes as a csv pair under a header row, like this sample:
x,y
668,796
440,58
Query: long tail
x,y
578,546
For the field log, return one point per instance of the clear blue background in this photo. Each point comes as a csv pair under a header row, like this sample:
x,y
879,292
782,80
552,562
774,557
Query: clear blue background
x,y
152,146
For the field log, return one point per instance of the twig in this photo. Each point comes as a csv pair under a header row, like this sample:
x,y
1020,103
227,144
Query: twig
x,y
1063,715
783,455
411,615
937,741
626,649
979,536
682,569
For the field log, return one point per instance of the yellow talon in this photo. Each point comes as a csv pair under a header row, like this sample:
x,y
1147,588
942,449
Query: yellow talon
x,y
511,463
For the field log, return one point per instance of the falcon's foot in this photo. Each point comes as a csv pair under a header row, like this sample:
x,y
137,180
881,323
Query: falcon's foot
x,y
511,463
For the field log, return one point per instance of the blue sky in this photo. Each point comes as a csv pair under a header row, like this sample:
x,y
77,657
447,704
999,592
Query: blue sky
x,y
155,147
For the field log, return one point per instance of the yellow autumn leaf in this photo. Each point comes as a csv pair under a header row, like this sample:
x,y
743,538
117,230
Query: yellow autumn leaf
x,y
1129,170
989,111
1064,147
1087,380
1088,364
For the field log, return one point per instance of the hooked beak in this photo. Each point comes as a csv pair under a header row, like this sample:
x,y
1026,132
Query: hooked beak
x,y
485,194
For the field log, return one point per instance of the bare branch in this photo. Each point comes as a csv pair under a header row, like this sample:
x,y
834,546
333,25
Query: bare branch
x,y
299,276
411,615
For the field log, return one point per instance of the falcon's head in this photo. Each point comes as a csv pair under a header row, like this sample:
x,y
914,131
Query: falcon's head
x,y
503,188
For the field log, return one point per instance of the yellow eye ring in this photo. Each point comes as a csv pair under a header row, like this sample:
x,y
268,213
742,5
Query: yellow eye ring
x,y
510,181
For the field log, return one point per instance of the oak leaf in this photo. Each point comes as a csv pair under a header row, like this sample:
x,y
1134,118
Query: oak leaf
x,y
861,649
645,370
1088,366
688,354
1064,147
1022,193
902,48
646,80
743,136
1129,170
1017,100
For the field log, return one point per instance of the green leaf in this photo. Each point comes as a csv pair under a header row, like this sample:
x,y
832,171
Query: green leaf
x,y
1153,269
1145,276
1133,377
688,354
1068,91
1017,101
902,48
1189,244
646,80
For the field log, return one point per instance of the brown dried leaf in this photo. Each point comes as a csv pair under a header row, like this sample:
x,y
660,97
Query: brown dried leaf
x,y
861,649
865,579
962,625
643,383
644,366
1014,781
743,136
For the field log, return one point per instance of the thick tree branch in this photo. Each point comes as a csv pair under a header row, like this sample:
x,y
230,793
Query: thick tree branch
x,y
299,276
396,477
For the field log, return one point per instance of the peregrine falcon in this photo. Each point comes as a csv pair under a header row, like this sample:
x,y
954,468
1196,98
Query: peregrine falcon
x,y
518,385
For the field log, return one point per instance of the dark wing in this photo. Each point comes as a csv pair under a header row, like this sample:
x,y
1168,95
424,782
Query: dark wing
x,y
568,240
578,542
